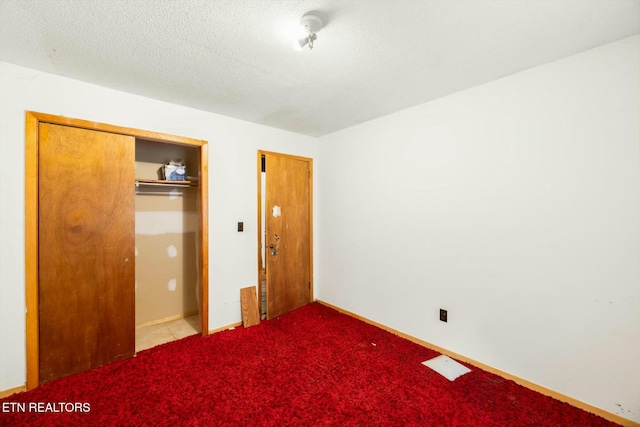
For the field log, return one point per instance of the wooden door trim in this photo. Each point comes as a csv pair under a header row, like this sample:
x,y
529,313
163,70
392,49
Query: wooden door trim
x,y
259,227
104,127
33,120
31,250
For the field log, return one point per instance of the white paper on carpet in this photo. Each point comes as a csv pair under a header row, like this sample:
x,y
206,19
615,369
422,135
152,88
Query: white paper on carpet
x,y
447,367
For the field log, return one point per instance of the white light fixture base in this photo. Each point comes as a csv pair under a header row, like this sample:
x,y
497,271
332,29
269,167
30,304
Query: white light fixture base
x,y
310,24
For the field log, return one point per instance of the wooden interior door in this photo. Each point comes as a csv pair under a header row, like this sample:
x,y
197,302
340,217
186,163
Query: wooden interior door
x,y
288,233
86,249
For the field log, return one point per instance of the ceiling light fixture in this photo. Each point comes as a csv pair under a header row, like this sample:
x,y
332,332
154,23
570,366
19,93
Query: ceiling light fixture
x,y
309,25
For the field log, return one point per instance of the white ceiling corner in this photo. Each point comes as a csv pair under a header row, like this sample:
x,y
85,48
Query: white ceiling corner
x,y
233,57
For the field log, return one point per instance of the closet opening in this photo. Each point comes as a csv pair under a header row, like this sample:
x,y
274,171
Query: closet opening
x,y
167,283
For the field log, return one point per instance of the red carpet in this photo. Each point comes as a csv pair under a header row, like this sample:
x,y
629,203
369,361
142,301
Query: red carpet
x,y
311,367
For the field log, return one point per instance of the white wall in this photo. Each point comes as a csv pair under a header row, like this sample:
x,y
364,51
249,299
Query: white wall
x,y
233,146
515,206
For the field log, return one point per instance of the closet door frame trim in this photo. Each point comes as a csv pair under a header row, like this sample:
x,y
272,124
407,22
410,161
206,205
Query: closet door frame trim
x,y
33,120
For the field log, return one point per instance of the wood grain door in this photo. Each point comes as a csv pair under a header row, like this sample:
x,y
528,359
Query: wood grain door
x,y
86,249
288,233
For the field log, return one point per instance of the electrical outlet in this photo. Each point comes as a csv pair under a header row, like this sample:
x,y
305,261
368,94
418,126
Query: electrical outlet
x,y
443,315
240,227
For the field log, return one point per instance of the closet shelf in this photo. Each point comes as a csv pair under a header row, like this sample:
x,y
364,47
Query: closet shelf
x,y
165,183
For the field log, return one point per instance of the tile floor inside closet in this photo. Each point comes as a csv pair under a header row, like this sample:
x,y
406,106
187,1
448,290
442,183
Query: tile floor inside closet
x,y
153,335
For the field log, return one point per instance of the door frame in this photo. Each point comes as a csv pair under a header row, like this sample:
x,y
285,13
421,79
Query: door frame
x,y
262,272
33,120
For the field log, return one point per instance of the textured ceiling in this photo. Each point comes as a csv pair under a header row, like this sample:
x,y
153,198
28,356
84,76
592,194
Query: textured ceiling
x,y
234,57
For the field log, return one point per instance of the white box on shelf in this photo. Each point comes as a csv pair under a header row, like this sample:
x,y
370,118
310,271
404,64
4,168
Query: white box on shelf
x,y
173,172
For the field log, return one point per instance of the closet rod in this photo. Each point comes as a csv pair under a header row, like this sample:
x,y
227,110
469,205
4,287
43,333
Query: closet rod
x,y
159,193
182,184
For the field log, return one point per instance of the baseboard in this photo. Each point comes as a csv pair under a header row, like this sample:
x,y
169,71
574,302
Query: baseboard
x,y
224,328
10,391
528,384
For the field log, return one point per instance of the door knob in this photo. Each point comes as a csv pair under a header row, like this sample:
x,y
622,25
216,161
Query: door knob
x,y
274,246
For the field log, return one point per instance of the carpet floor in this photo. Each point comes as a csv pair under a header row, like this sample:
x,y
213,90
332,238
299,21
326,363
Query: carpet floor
x,y
311,367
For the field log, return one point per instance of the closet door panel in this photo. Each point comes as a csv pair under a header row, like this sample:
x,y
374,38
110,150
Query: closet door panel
x,y
86,249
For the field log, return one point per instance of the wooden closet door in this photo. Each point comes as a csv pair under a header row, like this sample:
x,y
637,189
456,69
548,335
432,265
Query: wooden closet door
x,y
86,249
